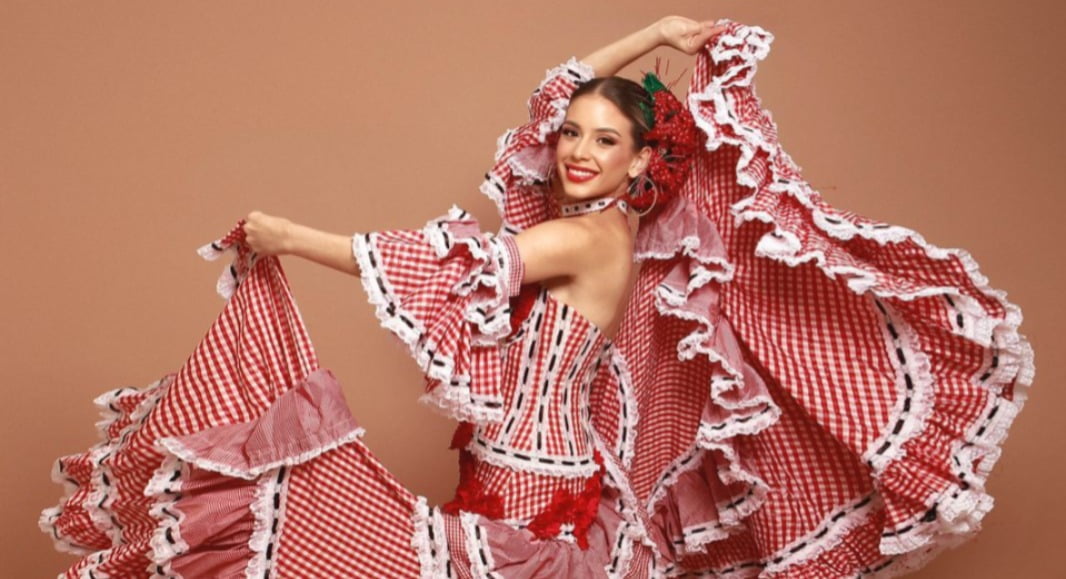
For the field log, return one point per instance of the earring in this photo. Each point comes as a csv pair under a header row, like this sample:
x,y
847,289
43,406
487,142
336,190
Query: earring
x,y
654,200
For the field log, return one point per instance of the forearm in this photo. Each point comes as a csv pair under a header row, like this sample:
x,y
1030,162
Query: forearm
x,y
607,61
329,249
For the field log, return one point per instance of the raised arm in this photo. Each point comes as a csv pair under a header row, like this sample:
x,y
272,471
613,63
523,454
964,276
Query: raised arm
x,y
682,33
271,235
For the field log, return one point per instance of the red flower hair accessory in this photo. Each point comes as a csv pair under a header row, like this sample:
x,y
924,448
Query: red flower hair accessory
x,y
674,139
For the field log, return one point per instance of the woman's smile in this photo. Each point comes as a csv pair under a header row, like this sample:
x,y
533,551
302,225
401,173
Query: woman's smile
x,y
579,174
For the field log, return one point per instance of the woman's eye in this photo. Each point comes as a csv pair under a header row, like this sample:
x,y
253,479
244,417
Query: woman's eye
x,y
568,132
607,141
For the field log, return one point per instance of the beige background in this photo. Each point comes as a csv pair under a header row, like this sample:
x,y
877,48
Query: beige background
x,y
132,132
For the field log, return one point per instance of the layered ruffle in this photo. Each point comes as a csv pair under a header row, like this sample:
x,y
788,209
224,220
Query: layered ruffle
x,y
705,491
251,355
888,369
525,154
796,388
84,520
443,291
216,495
470,544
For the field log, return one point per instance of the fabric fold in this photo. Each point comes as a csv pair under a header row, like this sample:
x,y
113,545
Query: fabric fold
x,y
897,370
444,292
255,351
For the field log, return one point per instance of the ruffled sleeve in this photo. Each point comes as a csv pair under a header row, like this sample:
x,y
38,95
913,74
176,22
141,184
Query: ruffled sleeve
x,y
444,291
524,154
862,379
799,389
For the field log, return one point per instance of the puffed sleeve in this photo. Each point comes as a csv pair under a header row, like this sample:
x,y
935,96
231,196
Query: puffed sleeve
x,y
524,154
444,290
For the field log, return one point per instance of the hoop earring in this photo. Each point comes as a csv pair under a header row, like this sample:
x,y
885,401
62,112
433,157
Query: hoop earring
x,y
642,182
655,199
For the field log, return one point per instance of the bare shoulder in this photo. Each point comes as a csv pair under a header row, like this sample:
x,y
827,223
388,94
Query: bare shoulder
x,y
599,289
558,247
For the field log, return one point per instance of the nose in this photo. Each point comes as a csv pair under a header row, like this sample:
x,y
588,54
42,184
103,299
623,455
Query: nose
x,y
581,148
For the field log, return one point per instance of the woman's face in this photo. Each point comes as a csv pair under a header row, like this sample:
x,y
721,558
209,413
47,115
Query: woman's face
x,y
595,154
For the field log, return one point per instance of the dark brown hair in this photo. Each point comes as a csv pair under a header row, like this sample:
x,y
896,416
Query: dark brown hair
x,y
625,94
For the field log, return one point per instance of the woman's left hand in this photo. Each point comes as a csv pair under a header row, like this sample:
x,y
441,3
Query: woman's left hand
x,y
267,234
685,34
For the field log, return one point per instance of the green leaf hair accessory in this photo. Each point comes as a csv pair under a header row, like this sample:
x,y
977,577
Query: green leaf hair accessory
x,y
652,84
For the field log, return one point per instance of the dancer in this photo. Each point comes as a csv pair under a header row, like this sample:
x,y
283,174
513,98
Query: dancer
x,y
673,358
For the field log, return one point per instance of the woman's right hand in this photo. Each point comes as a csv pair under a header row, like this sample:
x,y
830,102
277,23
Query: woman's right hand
x,y
685,34
267,234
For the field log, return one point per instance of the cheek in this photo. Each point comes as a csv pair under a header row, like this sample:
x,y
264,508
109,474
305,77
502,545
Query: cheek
x,y
562,149
615,160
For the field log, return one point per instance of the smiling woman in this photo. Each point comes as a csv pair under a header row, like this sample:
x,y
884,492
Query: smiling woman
x,y
742,381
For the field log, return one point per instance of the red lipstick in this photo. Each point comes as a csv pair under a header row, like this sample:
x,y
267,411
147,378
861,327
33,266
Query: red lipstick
x,y
579,174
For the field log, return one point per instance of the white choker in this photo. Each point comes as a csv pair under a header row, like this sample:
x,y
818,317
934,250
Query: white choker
x,y
571,209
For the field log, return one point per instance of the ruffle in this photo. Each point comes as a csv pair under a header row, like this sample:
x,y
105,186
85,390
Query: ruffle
x,y
708,490
228,525
525,154
933,456
84,520
499,550
105,515
315,409
443,291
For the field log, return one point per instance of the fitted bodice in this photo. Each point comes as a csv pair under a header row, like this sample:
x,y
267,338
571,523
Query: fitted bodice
x,y
550,362
545,442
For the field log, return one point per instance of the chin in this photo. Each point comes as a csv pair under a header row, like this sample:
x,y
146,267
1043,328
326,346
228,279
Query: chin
x,y
573,192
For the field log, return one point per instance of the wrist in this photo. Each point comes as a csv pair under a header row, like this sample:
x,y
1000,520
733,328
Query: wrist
x,y
655,34
290,237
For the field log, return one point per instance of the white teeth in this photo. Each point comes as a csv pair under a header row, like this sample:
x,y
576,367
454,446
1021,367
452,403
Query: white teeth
x,y
581,173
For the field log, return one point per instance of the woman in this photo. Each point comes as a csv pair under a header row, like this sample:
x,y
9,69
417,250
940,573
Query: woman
x,y
586,260
674,358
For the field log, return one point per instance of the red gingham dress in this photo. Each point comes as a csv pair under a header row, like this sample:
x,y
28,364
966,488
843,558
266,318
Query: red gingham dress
x,y
795,390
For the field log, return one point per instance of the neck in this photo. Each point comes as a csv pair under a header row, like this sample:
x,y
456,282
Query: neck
x,y
580,207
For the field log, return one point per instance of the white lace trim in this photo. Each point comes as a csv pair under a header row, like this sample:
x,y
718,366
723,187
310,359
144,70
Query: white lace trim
x,y
99,499
627,422
495,187
235,273
452,394
166,542
263,531
539,463
477,546
914,405
422,518
621,552
457,401
174,446
823,538
636,530
46,522
960,509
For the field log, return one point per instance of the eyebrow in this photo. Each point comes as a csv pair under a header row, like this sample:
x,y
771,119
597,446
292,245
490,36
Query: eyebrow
x,y
602,129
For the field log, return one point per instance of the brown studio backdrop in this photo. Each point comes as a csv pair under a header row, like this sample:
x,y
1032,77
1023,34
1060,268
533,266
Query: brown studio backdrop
x,y
132,133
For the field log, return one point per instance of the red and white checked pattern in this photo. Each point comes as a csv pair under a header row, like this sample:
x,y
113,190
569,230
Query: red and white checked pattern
x,y
543,442
887,358
256,350
891,370
517,271
525,153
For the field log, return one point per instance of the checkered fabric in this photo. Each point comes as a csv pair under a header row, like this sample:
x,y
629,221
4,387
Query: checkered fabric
x,y
795,390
